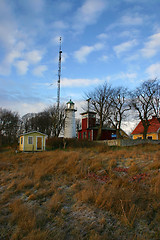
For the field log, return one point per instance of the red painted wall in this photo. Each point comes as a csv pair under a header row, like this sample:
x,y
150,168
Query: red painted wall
x,y
88,123
106,134
84,123
88,134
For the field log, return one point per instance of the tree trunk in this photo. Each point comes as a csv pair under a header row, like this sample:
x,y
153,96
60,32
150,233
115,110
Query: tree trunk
x,y
99,131
146,126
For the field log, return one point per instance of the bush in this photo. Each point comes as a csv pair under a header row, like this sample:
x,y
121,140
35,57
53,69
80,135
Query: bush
x,y
55,143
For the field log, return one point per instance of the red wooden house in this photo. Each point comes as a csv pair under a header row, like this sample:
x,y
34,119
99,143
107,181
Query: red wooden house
x,y
90,128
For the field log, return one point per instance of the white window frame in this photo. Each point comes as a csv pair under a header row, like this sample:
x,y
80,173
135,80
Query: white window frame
x,y
30,137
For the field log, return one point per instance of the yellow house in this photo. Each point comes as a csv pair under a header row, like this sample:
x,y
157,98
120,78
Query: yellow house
x,y
32,141
153,132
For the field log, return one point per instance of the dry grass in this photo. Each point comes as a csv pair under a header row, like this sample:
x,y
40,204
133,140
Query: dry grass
x,y
56,201
82,194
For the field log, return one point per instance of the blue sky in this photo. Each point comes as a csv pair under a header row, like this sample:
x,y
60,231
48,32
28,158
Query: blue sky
x,y
117,41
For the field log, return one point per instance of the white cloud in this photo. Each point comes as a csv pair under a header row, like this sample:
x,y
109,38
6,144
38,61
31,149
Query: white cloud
x,y
126,46
36,5
88,13
34,56
154,70
128,20
132,20
22,67
60,25
79,82
152,46
38,71
10,57
128,77
24,108
7,25
32,7
84,51
64,56
104,58
102,36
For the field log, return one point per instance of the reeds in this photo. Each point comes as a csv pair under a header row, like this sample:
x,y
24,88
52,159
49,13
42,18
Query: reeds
x,y
41,192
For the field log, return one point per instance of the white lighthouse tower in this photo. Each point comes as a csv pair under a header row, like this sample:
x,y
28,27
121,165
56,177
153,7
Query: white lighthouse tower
x,y
70,123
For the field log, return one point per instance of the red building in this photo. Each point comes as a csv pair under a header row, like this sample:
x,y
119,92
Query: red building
x,y
90,128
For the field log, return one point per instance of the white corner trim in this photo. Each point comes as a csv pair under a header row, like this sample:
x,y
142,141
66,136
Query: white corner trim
x,y
23,143
37,141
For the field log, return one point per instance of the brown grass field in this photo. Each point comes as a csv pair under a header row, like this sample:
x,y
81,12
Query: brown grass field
x,y
84,193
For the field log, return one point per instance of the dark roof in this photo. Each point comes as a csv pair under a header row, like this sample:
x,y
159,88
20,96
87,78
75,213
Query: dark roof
x,y
88,112
153,127
70,101
97,127
104,128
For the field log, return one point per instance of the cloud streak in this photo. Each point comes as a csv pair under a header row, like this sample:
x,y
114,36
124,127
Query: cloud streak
x,y
153,70
82,54
79,82
88,14
38,71
125,46
22,67
152,46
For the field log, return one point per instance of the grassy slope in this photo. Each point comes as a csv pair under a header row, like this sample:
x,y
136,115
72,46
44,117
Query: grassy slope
x,y
100,193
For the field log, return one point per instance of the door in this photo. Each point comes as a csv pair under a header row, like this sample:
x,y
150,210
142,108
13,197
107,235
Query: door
x,y
39,143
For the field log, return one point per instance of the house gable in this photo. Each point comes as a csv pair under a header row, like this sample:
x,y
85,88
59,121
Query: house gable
x,y
153,129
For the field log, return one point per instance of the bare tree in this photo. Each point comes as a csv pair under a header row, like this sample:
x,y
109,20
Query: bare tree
x,y
144,102
50,121
156,99
9,125
100,102
120,105
57,119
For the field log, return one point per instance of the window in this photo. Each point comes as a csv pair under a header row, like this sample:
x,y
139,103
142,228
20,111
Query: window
x,y
139,137
89,135
84,135
150,137
21,140
30,140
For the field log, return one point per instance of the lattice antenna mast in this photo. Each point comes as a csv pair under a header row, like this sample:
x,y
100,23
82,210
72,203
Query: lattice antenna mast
x,y
158,107
59,76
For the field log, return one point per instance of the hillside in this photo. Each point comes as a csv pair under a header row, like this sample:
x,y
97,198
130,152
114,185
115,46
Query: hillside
x,y
94,193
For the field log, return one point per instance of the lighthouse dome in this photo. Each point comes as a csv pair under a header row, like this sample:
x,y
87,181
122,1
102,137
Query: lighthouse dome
x,y
70,104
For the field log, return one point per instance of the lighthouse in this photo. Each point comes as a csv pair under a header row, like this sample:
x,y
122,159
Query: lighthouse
x,y
70,123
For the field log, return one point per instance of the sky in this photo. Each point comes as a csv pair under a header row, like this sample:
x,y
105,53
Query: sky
x,y
113,41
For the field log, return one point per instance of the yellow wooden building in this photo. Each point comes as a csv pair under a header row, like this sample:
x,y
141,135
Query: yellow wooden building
x,y
153,132
32,141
